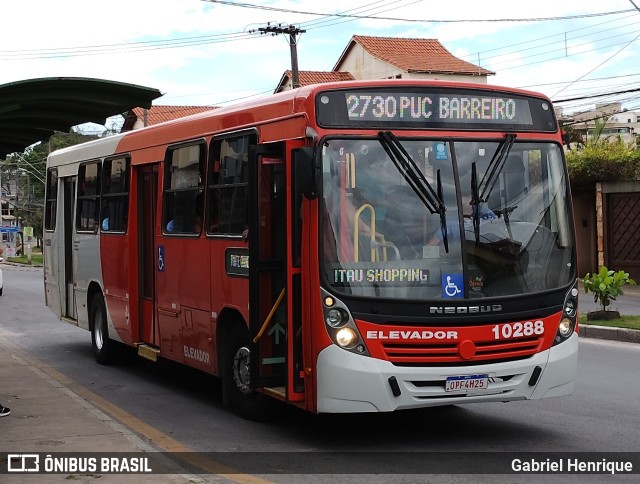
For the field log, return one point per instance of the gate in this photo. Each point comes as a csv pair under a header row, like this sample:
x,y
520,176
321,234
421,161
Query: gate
x,y
623,232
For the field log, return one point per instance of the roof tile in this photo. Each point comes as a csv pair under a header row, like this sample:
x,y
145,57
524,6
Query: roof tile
x,y
418,55
160,114
316,77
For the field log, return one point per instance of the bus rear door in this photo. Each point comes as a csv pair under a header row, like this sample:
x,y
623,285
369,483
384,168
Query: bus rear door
x,y
147,190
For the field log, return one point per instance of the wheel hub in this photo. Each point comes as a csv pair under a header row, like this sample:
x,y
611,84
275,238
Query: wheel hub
x,y
241,370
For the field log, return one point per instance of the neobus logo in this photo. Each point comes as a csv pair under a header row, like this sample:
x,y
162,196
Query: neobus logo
x,y
494,308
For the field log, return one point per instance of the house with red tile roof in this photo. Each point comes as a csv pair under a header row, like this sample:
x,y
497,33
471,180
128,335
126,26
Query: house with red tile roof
x,y
364,57
368,57
139,117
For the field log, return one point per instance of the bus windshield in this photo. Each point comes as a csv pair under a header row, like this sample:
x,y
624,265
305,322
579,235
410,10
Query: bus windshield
x,y
475,219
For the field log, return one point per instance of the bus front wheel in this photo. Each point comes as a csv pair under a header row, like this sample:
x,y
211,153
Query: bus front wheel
x,y
237,379
101,344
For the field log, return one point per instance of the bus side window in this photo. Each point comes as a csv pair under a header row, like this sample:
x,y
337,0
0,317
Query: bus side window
x,y
115,195
227,211
51,202
183,190
88,203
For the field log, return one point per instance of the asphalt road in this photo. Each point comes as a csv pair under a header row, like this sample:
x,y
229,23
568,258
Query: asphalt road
x,y
601,416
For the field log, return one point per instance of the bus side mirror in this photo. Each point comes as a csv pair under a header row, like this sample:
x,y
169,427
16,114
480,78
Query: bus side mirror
x,y
308,170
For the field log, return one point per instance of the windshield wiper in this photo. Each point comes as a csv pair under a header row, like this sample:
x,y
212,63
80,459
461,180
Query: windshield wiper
x,y
475,201
416,180
495,167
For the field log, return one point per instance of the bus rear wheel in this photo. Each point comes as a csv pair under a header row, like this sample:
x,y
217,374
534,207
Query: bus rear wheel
x,y
101,344
236,378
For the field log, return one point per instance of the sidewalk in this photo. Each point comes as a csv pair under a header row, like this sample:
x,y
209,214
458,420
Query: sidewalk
x,y
48,417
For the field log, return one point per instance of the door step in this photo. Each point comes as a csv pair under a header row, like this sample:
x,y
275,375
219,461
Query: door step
x,y
148,352
275,392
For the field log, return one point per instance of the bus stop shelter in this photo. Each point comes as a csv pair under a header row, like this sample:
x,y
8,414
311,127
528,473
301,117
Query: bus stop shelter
x,y
32,110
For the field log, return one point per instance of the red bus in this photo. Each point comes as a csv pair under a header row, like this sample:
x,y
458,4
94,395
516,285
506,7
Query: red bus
x,y
347,247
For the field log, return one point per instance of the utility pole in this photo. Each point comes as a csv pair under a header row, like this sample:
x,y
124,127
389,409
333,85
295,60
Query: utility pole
x,y
293,31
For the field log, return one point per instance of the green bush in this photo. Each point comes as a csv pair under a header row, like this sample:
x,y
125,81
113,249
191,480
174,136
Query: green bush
x,y
603,161
606,285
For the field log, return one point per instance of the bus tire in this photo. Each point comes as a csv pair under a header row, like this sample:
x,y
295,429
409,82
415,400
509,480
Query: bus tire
x,y
102,346
236,378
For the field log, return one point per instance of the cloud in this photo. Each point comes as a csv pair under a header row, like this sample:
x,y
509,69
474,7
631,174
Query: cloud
x,y
226,61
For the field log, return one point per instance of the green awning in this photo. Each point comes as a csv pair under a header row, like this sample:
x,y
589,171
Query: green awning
x,y
32,110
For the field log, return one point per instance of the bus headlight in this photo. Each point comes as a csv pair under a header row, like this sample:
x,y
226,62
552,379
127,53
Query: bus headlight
x,y
568,319
565,328
335,318
340,325
347,338
570,308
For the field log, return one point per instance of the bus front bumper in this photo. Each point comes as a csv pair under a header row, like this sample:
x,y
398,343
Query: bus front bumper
x,y
351,383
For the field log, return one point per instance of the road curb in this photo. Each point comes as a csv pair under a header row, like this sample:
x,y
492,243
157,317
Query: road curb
x,y
607,332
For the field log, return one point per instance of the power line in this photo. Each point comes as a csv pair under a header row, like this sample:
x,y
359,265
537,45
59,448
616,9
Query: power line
x,y
346,15
129,47
331,22
599,65
595,96
472,57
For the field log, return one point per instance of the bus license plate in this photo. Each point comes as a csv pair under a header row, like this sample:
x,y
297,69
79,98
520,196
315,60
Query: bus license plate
x,y
465,383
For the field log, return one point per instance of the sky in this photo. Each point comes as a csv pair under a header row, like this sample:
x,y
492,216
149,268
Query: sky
x,y
211,53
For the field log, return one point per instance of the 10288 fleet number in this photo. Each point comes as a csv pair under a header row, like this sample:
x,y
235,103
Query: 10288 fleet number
x,y
518,330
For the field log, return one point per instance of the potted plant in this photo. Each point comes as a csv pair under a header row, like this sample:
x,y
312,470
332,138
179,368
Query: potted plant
x,y
606,286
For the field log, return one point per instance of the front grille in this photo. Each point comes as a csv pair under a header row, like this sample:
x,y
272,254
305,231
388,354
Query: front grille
x,y
422,353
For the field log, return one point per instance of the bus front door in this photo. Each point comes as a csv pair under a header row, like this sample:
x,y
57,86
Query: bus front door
x,y
269,281
70,248
274,274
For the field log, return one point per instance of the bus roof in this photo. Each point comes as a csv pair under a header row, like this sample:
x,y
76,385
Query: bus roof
x,y
279,106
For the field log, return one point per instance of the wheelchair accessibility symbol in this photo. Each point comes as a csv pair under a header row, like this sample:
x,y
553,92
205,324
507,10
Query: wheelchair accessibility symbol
x,y
452,285
161,258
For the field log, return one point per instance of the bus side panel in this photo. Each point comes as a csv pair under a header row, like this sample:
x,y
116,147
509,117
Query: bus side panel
x,y
116,265
228,291
184,311
53,262
51,280
168,304
87,270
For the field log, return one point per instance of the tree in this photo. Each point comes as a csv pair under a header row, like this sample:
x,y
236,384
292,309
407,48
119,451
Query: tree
x,y
23,177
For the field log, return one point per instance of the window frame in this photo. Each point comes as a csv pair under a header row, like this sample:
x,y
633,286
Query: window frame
x,y
219,185
51,201
169,194
105,196
82,198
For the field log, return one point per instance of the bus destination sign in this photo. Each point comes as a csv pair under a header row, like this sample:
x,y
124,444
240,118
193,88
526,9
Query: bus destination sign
x,y
450,109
